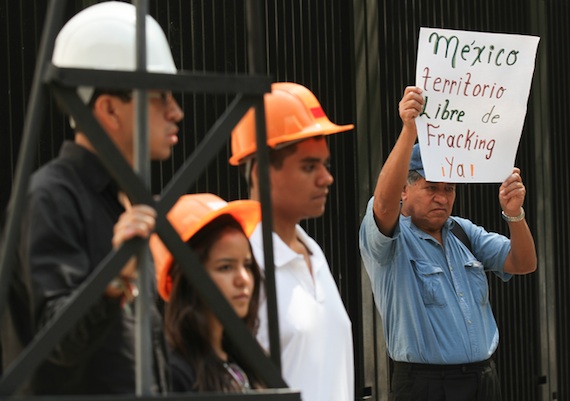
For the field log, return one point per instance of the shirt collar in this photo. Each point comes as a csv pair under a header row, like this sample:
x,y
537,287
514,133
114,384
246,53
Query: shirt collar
x,y
90,168
422,234
282,254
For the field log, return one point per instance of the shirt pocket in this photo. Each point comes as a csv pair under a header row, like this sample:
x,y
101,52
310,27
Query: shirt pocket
x,y
478,281
430,280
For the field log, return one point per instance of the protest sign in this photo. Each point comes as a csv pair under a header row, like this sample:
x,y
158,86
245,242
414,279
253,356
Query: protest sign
x,y
476,87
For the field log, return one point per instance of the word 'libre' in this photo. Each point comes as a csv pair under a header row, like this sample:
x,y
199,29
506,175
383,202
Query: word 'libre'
x,y
445,114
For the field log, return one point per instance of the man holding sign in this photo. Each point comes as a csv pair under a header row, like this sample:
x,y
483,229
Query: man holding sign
x,y
430,287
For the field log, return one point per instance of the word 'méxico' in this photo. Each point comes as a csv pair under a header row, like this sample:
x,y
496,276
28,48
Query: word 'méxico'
x,y
473,53
462,86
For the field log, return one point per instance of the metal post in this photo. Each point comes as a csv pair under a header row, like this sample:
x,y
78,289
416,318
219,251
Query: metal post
x,y
548,379
143,340
256,47
32,124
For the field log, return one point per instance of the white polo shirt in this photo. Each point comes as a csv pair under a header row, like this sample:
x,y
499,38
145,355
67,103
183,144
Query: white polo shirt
x,y
315,330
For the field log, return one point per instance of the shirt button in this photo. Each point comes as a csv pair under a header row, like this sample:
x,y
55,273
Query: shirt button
x,y
469,321
460,294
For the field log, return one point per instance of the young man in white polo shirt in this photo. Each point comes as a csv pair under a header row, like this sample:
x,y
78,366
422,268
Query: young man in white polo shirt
x,y
315,330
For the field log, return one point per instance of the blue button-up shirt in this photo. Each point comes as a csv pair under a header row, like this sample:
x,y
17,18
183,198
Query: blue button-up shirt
x,y
434,299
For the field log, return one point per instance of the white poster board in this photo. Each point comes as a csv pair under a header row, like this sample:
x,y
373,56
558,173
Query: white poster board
x,y
476,87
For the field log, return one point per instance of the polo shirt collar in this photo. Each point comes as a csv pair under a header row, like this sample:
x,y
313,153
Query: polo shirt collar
x,y
282,254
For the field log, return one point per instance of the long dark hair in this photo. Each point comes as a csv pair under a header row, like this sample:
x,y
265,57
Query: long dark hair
x,y
186,315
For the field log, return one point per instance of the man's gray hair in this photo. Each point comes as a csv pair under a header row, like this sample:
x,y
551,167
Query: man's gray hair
x,y
413,177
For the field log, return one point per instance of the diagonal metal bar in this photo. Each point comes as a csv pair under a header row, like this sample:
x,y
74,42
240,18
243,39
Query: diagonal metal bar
x,y
32,125
213,142
89,292
183,81
251,353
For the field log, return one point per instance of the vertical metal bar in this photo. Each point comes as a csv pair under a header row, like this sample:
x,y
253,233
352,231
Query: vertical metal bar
x,y
143,340
26,156
370,354
256,57
544,221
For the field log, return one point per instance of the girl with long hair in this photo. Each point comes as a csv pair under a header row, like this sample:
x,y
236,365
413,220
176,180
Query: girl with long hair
x,y
201,357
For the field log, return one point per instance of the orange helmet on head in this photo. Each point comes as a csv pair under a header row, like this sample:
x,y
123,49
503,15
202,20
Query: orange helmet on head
x,y
188,216
292,113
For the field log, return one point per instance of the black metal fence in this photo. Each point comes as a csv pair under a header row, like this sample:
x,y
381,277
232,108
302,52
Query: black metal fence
x,y
357,57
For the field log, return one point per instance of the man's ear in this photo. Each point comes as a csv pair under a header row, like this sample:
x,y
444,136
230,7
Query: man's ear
x,y
105,111
405,192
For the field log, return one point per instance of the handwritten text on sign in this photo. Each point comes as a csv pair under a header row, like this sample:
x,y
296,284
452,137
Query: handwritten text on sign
x,y
476,88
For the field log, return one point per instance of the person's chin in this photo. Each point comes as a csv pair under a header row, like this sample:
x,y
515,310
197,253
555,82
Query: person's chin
x,y
316,213
241,311
438,218
320,206
163,155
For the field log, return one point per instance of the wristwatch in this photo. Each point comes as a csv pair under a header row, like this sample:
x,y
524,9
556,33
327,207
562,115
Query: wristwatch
x,y
513,219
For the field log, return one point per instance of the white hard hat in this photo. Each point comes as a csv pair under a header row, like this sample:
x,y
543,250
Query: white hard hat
x,y
103,37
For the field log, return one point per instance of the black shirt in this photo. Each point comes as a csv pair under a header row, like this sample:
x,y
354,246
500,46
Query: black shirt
x,y
184,375
67,230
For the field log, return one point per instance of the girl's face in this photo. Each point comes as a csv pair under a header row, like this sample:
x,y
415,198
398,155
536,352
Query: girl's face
x,y
229,264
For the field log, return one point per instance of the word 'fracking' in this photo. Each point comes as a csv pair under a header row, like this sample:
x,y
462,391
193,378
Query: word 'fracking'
x,y
474,53
469,140
461,87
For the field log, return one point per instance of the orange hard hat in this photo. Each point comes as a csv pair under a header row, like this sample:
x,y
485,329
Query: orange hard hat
x,y
292,113
190,214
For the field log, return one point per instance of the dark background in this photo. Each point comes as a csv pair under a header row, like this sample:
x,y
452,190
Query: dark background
x,y
357,56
